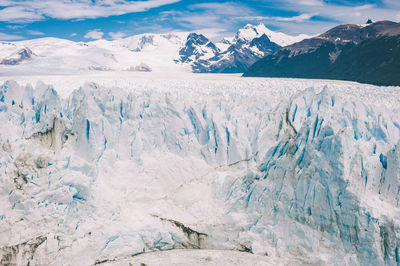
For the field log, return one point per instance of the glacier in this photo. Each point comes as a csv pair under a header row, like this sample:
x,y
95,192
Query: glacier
x,y
291,171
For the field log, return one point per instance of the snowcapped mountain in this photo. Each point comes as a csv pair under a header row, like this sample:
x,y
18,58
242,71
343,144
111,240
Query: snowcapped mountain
x,y
158,51
249,32
235,55
197,47
18,57
296,172
171,52
365,53
238,54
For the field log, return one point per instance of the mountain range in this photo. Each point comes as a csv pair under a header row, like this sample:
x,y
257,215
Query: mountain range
x,y
233,55
368,53
170,52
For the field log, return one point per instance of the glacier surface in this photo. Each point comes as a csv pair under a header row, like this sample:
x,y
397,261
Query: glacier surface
x,y
301,172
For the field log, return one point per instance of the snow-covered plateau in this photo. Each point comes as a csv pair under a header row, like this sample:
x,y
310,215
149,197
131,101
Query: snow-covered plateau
x,y
124,169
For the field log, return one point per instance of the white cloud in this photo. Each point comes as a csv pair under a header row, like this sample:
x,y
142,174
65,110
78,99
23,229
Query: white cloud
x,y
35,32
73,34
332,14
10,37
33,10
170,13
117,35
15,27
368,6
200,21
213,33
94,34
309,2
299,18
305,27
16,13
341,13
227,8
210,15
395,4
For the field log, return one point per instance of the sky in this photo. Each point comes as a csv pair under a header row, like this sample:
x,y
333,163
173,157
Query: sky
x,y
87,20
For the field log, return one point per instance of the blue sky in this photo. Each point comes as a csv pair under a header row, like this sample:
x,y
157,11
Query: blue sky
x,y
85,20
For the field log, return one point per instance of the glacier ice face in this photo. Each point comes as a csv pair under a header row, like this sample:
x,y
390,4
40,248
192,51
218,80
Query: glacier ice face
x,y
276,168
325,161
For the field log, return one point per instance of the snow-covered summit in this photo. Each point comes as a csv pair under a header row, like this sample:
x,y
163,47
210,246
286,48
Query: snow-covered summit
x,y
153,41
249,32
58,56
18,57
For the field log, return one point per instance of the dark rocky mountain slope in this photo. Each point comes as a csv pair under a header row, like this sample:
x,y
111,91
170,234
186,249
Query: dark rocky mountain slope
x,y
363,53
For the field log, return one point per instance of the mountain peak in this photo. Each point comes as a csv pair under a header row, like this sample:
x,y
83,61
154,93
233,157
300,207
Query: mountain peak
x,y
197,38
252,26
250,31
248,25
247,33
21,55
